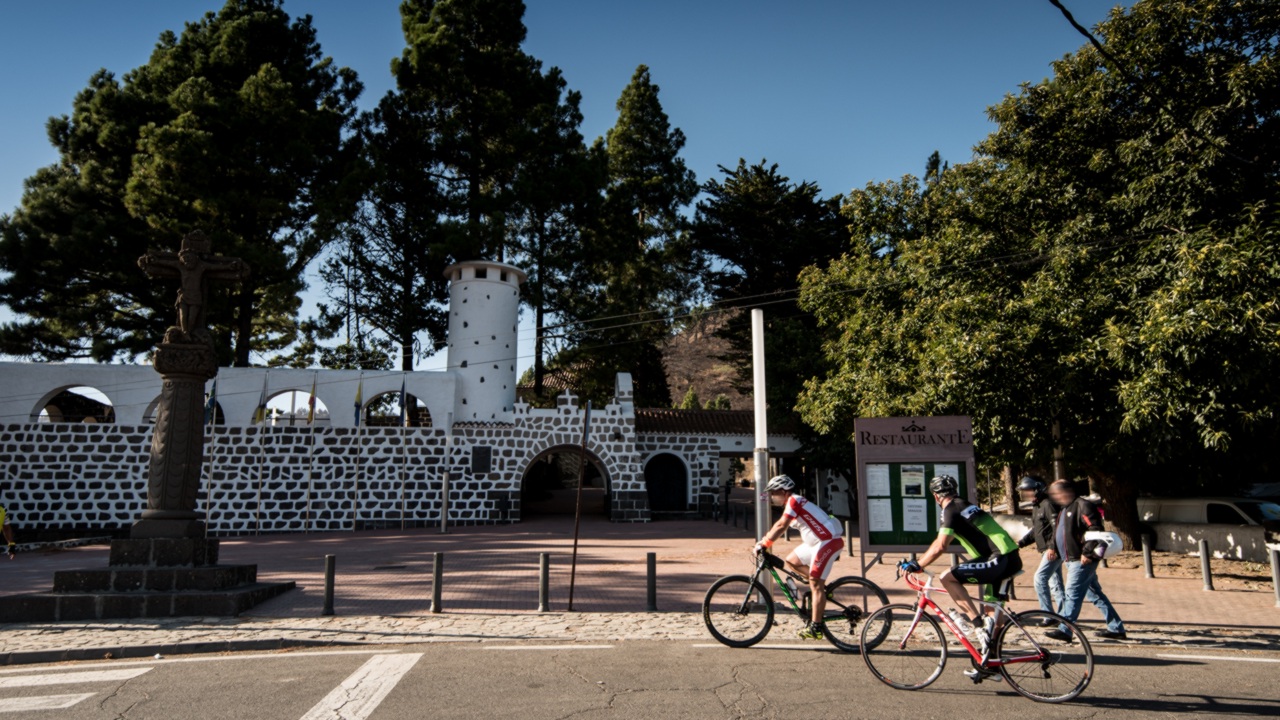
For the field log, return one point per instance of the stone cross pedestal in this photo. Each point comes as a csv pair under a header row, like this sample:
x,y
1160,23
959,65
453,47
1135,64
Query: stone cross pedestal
x,y
167,568
186,360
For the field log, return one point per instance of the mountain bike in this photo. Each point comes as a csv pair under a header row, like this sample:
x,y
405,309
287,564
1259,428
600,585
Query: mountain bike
x,y
912,650
739,610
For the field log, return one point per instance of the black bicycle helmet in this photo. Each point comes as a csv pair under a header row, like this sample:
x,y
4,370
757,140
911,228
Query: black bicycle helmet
x,y
1032,482
944,485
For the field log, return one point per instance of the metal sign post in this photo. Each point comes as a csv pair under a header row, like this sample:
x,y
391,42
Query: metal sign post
x,y
577,508
761,458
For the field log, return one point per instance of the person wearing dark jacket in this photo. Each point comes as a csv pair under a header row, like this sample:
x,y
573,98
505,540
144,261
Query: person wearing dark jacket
x,y
1048,577
1077,516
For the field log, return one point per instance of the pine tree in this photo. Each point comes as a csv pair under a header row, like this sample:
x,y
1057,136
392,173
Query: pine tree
x,y
235,127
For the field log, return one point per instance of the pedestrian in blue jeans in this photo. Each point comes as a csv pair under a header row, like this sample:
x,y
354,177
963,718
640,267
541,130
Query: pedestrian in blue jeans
x,y
1048,577
1080,557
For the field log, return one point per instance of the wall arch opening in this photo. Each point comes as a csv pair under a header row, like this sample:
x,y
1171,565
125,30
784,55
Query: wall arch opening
x,y
292,408
550,484
666,479
383,410
74,404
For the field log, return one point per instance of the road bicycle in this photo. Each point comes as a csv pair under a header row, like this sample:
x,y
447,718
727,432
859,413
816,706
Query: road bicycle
x,y
739,610
912,651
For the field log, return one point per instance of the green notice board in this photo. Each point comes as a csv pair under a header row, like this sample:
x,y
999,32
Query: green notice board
x,y
900,510
896,459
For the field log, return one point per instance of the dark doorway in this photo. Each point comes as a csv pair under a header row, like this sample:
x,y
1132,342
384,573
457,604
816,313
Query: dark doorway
x,y
550,485
667,481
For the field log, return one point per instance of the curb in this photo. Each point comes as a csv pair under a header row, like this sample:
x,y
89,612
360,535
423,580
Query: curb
x,y
32,657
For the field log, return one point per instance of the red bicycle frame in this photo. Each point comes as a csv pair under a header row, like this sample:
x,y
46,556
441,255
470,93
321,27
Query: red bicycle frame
x,y
924,603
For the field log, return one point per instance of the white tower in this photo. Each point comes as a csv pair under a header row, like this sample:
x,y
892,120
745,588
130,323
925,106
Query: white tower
x,y
484,309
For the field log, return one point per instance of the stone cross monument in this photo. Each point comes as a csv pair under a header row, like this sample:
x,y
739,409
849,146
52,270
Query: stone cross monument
x,y
185,360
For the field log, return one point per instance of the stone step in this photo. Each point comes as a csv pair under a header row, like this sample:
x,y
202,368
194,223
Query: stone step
x,y
154,579
53,607
164,552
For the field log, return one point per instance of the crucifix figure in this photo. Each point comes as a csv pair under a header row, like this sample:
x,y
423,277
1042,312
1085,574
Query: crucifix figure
x,y
194,265
185,360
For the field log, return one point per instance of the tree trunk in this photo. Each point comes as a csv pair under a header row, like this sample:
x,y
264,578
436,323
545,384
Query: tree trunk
x,y
1010,486
539,366
1121,503
244,324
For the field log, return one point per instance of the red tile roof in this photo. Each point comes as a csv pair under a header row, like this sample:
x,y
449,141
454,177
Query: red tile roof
x,y
698,422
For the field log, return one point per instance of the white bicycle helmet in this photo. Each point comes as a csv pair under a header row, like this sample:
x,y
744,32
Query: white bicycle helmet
x,y
781,482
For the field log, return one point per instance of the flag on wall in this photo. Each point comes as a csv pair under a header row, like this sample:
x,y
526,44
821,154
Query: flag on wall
x,y
211,404
404,411
260,415
311,401
359,398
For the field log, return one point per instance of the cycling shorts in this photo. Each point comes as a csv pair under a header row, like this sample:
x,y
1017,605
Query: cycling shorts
x,y
990,571
820,557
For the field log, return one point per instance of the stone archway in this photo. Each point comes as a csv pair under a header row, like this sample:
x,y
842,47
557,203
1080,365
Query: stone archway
x,y
549,484
666,479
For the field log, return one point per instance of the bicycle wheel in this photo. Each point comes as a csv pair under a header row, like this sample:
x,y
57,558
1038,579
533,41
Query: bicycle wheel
x,y
911,654
849,601
1040,667
738,611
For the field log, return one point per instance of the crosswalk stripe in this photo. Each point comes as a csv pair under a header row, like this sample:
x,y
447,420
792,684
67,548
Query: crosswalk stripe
x,y
68,678
363,690
43,702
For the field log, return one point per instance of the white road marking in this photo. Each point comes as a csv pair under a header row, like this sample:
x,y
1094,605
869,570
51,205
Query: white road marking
x,y
44,702
71,677
1219,657
361,693
546,647
196,658
775,646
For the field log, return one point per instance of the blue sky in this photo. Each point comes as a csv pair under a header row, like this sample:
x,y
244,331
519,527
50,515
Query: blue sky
x,y
837,92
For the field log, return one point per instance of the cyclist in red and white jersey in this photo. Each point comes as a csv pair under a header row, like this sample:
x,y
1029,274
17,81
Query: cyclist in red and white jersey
x,y
819,548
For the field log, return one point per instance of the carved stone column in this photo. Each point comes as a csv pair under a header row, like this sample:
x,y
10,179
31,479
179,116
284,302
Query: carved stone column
x,y
177,442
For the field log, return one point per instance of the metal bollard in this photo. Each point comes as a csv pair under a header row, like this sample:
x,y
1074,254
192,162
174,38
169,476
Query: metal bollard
x,y
955,560
544,582
437,572
651,559
330,571
1146,556
1275,574
848,539
1204,565
786,534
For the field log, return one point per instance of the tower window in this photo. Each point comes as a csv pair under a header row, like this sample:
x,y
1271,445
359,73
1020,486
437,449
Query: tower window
x,y
482,273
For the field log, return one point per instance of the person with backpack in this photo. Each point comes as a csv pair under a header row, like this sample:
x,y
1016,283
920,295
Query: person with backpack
x,y
1077,519
1048,577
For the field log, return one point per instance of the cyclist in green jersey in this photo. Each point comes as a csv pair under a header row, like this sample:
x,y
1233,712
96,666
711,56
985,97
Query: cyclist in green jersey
x,y
993,553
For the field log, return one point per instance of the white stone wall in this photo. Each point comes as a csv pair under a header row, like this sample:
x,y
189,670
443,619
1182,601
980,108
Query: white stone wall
x,y
282,479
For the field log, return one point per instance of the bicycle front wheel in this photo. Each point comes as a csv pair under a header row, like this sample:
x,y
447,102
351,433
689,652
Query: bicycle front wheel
x,y
1042,668
849,601
738,611
910,655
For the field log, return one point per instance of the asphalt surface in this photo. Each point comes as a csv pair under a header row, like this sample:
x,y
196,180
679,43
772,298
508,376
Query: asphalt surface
x,y
625,679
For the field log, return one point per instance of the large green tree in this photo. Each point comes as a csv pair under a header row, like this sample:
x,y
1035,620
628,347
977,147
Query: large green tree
x,y
1107,265
388,272
484,99
639,269
235,127
758,230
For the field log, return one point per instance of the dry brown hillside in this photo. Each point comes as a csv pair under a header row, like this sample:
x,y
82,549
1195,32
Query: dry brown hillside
x,y
691,358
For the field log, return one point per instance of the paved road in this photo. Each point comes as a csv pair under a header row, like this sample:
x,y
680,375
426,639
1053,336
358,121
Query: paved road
x,y
626,679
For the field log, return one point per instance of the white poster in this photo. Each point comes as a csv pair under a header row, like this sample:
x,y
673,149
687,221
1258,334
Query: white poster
x,y
952,470
915,515
880,515
912,477
877,480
